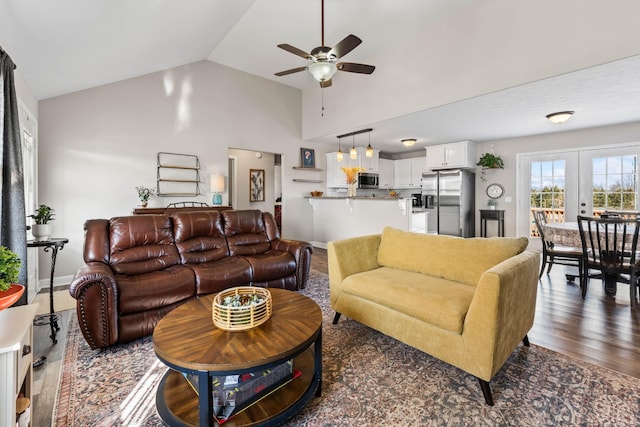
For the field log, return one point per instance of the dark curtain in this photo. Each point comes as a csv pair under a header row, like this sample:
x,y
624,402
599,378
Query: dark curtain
x,y
12,211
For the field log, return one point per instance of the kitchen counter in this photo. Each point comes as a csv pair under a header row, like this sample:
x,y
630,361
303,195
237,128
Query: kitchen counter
x,y
336,218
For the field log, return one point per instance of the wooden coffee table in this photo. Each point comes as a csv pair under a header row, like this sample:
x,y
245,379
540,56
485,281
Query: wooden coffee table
x,y
187,341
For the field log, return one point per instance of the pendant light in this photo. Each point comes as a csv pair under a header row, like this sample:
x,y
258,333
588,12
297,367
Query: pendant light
x,y
353,153
339,154
369,152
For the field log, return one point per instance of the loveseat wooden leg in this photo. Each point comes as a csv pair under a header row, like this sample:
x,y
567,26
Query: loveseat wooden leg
x,y
486,391
336,318
525,341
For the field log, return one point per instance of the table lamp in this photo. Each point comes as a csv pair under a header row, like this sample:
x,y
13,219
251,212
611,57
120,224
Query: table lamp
x,y
217,186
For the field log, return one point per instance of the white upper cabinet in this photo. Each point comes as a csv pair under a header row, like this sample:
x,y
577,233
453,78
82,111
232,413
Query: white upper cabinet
x,y
336,177
386,170
451,156
370,164
408,172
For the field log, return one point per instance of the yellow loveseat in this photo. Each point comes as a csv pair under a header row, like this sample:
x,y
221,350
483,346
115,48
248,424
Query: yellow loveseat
x,y
468,302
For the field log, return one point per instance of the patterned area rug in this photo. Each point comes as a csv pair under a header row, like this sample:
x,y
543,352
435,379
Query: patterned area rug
x,y
369,379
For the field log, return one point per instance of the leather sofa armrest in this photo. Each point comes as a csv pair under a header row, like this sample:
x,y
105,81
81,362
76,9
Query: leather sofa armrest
x,y
502,310
96,293
301,252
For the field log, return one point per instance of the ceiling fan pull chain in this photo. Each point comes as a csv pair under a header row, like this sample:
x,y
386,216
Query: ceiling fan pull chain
x,y
322,93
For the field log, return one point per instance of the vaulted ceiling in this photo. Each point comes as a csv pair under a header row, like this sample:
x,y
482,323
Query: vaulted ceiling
x,y
69,45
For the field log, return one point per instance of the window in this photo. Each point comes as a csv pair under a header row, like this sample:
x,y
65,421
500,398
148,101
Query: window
x,y
547,191
614,183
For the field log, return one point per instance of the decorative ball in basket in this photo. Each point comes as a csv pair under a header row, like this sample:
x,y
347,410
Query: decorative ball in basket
x,y
241,308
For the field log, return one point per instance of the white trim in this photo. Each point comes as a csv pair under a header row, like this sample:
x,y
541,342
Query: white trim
x,y
57,281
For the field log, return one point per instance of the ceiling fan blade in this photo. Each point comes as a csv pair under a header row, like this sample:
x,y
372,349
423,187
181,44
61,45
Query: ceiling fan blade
x,y
294,50
291,71
352,67
345,46
325,83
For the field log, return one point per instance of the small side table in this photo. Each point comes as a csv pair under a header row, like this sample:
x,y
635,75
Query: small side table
x,y
491,215
51,319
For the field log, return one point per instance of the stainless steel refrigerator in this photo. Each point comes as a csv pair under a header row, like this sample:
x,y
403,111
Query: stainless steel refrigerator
x,y
449,200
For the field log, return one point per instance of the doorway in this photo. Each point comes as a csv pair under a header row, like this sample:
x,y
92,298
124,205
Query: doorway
x,y
580,182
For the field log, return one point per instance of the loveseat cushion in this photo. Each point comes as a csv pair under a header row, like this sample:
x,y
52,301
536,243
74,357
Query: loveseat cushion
x,y
199,236
453,258
246,232
141,244
156,289
271,265
435,300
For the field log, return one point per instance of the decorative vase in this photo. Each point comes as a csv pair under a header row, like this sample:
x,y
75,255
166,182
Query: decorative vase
x,y
41,232
10,296
351,192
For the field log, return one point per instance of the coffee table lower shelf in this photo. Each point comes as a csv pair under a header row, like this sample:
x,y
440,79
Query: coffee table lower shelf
x,y
177,403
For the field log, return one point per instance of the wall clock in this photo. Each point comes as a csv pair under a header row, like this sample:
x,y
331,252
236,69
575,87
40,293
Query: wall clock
x,y
495,191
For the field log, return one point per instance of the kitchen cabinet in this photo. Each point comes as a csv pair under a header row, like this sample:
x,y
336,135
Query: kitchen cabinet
x,y
386,173
451,156
370,164
335,176
16,359
419,222
408,172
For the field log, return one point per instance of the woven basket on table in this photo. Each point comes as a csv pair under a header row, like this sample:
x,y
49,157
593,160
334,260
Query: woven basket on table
x,y
241,318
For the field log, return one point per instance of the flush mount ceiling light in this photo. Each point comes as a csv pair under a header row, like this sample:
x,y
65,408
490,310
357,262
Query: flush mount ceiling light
x,y
408,142
560,116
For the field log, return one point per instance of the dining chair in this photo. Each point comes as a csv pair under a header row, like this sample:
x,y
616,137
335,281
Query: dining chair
x,y
557,254
610,245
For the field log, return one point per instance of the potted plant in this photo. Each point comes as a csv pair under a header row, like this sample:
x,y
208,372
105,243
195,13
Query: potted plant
x,y
41,230
491,204
10,292
489,161
143,194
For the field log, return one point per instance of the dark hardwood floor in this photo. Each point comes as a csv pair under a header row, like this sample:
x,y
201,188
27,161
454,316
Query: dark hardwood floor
x,y
599,329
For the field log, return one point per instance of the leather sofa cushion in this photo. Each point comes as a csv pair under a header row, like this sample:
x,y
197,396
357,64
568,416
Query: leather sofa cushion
x,y
156,289
437,301
246,232
271,265
141,244
199,236
219,275
452,258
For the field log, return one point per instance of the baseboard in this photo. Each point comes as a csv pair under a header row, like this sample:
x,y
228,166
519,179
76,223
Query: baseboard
x,y
58,281
320,245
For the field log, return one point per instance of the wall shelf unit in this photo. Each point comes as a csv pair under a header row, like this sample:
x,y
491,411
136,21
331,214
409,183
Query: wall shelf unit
x,y
178,175
308,169
314,181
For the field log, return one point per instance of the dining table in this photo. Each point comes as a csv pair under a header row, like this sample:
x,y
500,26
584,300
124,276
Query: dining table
x,y
568,234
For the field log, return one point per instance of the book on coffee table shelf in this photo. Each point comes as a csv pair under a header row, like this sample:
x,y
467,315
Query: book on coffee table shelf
x,y
234,393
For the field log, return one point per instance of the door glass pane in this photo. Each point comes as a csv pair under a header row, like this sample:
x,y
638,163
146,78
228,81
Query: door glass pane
x,y
614,184
548,182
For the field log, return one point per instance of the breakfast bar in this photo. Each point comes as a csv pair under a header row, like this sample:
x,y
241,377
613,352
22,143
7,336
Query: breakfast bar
x,y
337,218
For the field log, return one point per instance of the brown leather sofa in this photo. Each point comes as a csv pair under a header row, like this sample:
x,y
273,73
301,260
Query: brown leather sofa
x,y
138,268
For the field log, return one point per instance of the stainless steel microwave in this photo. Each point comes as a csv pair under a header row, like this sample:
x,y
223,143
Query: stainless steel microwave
x,y
367,180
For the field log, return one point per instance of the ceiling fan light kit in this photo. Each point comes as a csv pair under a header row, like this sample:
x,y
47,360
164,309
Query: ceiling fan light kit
x,y
560,116
323,59
322,71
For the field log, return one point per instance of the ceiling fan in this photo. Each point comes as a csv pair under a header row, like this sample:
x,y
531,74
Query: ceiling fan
x,y
323,58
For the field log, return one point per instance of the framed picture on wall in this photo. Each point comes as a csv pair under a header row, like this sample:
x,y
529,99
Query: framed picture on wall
x,y
308,157
256,185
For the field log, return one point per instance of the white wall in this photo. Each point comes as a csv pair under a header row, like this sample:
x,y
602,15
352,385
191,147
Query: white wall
x,y
96,145
486,47
245,161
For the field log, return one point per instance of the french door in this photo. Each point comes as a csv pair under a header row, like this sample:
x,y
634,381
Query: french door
x,y
580,182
